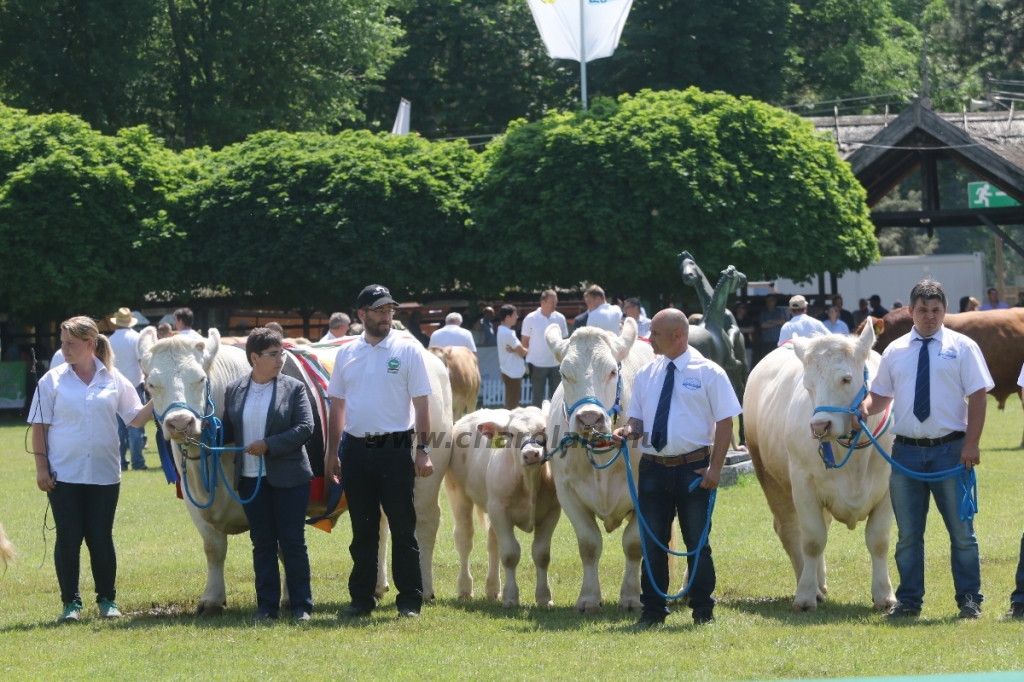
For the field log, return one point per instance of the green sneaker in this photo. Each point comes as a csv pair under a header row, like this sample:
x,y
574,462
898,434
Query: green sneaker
x,y
108,609
72,613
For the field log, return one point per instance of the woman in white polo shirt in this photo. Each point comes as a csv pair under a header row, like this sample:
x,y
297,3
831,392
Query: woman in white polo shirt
x,y
78,460
510,356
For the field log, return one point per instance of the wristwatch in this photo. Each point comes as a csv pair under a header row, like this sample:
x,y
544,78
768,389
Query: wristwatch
x,y
424,448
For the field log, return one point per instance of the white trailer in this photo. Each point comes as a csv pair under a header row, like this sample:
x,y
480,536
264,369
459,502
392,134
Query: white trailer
x,y
961,274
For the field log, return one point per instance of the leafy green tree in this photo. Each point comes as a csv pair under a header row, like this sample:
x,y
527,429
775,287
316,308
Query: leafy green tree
x,y
307,220
738,46
471,66
88,57
82,215
614,194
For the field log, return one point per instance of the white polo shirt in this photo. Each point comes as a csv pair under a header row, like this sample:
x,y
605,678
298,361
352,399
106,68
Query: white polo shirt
x,y
802,326
378,383
534,326
191,334
329,336
702,395
1020,379
125,343
510,364
956,370
82,441
605,316
453,335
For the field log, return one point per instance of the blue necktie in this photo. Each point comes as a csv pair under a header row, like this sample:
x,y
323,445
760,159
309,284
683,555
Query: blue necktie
x,y
659,434
922,391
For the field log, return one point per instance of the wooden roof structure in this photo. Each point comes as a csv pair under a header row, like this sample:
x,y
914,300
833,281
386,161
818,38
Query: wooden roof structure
x,y
883,150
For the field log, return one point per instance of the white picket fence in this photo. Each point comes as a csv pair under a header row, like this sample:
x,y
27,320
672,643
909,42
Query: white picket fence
x,y
492,393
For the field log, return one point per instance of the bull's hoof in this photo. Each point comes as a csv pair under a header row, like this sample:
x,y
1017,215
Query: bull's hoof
x,y
630,605
491,594
381,589
802,604
510,603
286,605
549,604
464,595
587,608
885,604
428,597
205,610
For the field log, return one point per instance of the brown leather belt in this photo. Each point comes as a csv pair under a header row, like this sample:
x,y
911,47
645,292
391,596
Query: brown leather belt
x,y
678,460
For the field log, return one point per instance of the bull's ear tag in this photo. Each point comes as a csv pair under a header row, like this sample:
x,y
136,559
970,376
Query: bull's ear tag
x,y
498,441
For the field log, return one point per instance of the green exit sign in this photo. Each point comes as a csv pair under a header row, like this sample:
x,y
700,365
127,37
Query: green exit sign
x,y
987,195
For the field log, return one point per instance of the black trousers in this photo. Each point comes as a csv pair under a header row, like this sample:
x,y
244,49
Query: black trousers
x,y
85,512
375,475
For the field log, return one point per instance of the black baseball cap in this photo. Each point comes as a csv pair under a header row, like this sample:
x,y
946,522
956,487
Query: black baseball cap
x,y
374,296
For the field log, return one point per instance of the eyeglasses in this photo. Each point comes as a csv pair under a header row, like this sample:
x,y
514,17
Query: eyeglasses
x,y
273,354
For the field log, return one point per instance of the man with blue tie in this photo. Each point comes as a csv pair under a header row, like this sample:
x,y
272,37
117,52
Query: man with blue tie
x,y
683,406
936,380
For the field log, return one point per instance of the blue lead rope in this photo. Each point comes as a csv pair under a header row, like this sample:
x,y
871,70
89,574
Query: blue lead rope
x,y
211,445
645,531
968,506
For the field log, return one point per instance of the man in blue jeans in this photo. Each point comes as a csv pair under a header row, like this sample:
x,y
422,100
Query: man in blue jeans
x,y
936,379
1017,598
686,404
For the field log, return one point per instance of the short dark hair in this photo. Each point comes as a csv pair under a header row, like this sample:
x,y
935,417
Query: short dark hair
x,y
276,327
506,310
594,291
927,290
632,302
548,293
875,297
991,289
259,340
185,315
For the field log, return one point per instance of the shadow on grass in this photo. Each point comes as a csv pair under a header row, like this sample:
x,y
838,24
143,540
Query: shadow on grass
x,y
532,617
779,609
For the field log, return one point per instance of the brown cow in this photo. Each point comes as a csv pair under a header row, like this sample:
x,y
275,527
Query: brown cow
x,y
999,334
464,373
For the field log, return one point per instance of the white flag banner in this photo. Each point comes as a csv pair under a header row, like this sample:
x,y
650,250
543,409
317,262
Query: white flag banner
x,y
559,24
401,126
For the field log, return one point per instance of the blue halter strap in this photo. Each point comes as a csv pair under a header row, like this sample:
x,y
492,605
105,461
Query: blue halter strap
x,y
211,445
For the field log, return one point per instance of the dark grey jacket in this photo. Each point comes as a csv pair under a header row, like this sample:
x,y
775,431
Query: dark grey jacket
x,y
289,426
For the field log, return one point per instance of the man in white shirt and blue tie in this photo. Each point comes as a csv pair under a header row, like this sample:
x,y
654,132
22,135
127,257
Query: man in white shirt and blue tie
x,y
936,380
683,404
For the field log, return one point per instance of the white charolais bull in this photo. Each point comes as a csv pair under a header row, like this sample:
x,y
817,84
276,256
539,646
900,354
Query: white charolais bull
x,y
591,362
782,393
498,466
178,369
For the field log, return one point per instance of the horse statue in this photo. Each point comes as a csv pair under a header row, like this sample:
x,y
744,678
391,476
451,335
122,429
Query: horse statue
x,y
717,337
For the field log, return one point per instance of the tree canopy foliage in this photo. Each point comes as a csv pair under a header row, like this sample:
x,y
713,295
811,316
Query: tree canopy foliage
x,y
90,222
615,193
82,215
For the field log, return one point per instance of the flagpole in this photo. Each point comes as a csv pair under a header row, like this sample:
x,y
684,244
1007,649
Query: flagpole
x,y
583,57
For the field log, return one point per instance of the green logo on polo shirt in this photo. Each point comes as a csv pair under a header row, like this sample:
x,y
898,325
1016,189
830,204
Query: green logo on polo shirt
x,y
393,365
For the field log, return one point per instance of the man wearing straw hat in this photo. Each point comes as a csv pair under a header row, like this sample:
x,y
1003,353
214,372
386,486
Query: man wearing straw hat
x,y
125,344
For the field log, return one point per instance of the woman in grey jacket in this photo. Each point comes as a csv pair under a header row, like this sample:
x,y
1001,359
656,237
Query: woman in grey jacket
x,y
270,413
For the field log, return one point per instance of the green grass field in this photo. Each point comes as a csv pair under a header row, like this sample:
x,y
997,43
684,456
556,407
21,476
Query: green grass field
x,y
162,573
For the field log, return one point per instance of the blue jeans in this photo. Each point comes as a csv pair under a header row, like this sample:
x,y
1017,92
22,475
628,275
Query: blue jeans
x,y
910,500
131,439
277,521
664,492
1018,594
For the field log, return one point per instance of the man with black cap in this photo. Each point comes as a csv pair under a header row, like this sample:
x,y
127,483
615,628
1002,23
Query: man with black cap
x,y
379,391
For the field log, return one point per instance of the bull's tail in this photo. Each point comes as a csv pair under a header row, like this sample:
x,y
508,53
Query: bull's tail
x,y
7,549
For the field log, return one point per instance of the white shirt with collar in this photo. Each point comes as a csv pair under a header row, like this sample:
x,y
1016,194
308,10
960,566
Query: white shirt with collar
x,y
254,422
329,336
702,395
956,370
803,326
643,326
379,382
605,316
534,326
191,334
510,364
453,335
125,343
82,442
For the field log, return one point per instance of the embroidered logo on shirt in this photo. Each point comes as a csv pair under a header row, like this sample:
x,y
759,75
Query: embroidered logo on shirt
x,y
948,353
393,365
691,383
